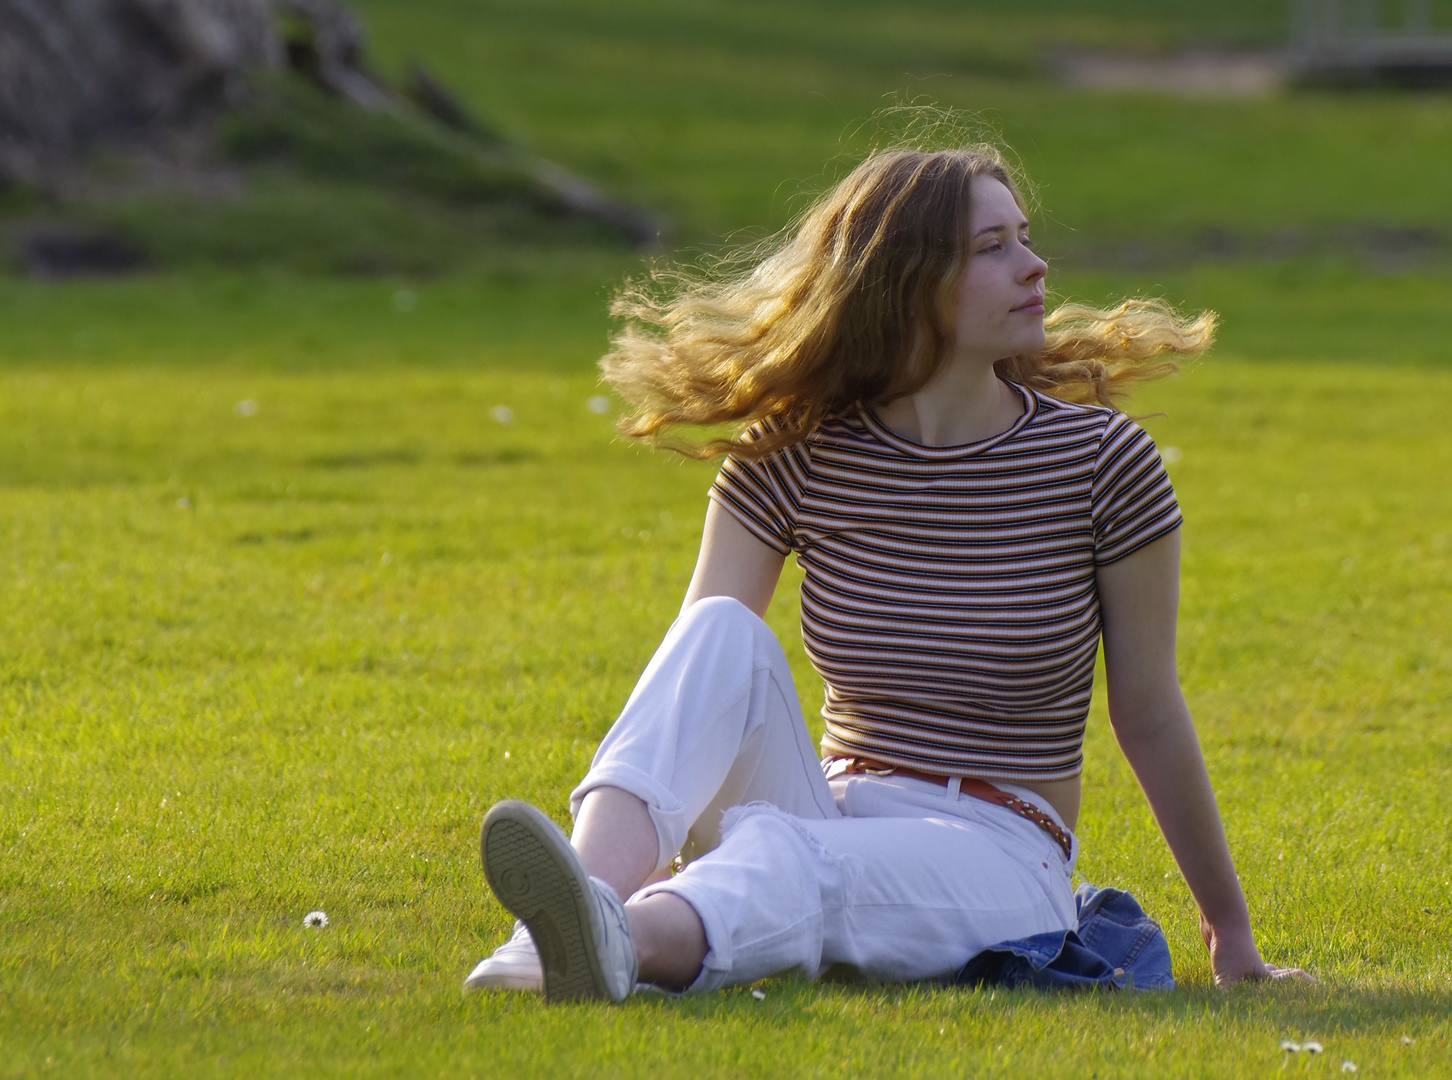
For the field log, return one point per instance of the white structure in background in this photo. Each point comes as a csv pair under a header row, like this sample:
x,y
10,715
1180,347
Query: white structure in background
x,y
1359,42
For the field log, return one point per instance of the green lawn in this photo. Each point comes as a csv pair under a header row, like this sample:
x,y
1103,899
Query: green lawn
x,y
261,664
286,607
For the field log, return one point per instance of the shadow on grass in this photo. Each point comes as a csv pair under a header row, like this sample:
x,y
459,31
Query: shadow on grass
x,y
1326,1008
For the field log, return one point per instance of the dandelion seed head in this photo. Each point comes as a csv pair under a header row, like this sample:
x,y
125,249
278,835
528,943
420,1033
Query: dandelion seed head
x,y
502,414
245,407
1170,454
315,920
599,404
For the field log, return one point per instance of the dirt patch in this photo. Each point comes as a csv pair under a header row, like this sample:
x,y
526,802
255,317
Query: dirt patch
x,y
1197,73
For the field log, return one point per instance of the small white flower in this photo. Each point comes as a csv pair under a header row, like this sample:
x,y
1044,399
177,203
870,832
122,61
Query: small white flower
x,y
1407,1040
315,920
404,300
759,995
1312,1047
245,407
503,414
1348,1066
598,404
1170,454
1290,1047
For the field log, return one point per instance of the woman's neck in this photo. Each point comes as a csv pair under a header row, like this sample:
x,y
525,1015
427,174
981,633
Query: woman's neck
x,y
965,403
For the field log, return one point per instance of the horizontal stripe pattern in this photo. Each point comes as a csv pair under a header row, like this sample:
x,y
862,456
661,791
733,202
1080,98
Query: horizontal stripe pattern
x,y
949,598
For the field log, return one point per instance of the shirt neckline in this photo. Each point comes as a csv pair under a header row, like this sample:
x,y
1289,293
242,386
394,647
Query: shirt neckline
x,y
939,453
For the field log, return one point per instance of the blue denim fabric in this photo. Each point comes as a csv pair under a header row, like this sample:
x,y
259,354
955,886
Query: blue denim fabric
x,y
1116,945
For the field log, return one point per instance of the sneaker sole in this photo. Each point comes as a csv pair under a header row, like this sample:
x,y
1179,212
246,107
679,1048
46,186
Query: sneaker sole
x,y
535,873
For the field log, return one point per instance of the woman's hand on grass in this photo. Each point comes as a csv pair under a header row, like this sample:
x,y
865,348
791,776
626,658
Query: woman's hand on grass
x,y
1234,958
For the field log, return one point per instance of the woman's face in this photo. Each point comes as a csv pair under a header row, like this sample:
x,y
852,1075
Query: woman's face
x,y
999,309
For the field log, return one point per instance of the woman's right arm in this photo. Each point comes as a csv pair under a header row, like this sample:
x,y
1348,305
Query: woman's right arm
x,y
733,562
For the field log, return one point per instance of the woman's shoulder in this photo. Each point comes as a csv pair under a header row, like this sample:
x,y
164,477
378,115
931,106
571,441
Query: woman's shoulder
x,y
1052,407
836,428
1056,414
796,453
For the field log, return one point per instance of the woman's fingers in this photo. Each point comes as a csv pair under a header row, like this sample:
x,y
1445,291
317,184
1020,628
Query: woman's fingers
x,y
1273,972
1263,970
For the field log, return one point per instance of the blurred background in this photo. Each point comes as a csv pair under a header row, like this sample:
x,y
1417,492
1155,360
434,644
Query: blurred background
x,y
299,182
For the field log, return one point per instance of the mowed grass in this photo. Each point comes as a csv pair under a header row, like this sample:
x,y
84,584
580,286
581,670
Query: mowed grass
x,y
264,664
278,658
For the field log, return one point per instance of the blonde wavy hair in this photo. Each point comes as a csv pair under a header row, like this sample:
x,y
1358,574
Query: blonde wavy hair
x,y
853,304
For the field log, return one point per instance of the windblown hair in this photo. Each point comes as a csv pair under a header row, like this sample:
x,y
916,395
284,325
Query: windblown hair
x,y
854,304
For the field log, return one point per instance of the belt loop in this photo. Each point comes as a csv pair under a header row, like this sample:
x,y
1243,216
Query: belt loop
x,y
954,783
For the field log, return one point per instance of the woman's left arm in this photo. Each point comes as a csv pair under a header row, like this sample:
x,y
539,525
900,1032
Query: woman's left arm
x,y
1139,598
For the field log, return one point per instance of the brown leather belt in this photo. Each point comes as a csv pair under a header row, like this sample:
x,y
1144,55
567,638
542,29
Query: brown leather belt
x,y
979,789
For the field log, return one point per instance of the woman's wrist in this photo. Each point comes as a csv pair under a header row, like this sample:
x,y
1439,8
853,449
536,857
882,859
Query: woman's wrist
x,y
1227,924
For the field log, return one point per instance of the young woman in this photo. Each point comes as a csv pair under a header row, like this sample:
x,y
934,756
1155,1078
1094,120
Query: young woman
x,y
972,515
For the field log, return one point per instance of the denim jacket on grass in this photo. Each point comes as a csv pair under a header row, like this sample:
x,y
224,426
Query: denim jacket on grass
x,y
1116,945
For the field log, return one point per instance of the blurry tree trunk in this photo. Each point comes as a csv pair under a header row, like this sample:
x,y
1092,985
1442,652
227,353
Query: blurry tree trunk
x,y
74,73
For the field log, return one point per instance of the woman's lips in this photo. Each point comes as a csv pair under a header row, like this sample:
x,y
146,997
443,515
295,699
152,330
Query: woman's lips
x,y
1033,307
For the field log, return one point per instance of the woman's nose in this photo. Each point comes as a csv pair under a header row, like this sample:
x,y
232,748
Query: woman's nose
x,y
1035,267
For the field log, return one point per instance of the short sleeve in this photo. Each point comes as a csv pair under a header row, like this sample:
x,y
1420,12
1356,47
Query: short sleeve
x,y
1134,503
764,494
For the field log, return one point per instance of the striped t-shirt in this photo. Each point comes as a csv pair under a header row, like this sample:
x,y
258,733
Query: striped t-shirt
x,y
949,599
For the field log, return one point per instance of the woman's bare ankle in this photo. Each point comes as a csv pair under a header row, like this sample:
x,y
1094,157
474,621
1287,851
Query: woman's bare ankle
x,y
670,941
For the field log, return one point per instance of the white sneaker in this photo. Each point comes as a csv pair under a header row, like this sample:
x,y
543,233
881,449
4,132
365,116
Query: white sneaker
x,y
512,966
577,922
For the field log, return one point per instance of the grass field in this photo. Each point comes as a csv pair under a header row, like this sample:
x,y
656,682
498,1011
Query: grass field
x,y
286,606
267,663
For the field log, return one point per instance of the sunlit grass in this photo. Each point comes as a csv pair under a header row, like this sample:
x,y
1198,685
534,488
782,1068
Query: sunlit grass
x,y
264,664
285,607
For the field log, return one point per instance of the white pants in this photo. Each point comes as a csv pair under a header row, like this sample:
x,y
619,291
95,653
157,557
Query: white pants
x,y
899,878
